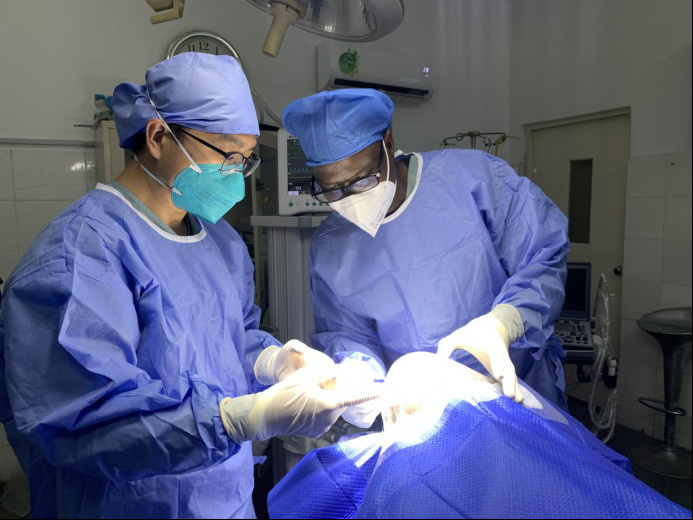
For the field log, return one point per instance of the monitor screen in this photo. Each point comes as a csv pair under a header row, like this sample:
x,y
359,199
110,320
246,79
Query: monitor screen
x,y
298,174
577,291
294,179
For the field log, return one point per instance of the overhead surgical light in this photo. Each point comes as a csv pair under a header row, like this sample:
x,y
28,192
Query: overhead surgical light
x,y
348,20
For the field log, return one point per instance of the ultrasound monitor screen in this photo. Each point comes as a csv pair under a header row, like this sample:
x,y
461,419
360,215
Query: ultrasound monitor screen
x,y
577,287
299,175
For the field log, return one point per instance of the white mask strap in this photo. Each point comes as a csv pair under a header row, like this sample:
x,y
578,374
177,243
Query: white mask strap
x,y
387,160
174,190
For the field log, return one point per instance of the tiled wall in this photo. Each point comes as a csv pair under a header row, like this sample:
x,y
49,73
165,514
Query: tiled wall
x,y
656,274
36,184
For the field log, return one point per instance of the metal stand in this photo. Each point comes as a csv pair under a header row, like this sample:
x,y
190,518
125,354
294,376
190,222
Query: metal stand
x,y
484,136
675,339
288,250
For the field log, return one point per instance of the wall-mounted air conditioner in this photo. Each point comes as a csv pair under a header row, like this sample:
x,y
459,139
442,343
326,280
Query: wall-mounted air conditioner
x,y
405,79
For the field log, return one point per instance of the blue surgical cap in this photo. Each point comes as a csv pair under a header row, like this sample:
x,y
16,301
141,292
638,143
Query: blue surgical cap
x,y
201,91
333,125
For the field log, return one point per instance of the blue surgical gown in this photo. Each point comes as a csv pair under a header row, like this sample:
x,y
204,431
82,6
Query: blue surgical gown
x,y
120,340
474,234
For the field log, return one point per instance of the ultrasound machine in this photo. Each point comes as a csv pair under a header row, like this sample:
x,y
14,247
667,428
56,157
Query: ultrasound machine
x,y
574,325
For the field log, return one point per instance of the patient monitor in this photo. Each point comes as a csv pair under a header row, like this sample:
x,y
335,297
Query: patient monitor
x,y
294,178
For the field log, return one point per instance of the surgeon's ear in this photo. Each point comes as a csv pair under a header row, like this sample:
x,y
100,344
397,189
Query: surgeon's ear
x,y
389,142
155,133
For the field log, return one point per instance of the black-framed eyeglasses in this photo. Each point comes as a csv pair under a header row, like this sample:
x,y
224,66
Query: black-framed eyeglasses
x,y
358,186
234,162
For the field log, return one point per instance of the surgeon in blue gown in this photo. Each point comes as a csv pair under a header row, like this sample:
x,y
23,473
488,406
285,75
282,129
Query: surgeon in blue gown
x,y
442,251
132,370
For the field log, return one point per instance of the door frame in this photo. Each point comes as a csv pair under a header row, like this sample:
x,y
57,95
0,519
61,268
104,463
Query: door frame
x,y
529,128
584,118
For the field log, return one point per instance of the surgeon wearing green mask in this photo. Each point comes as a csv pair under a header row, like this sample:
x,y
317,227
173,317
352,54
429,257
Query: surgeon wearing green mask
x,y
133,375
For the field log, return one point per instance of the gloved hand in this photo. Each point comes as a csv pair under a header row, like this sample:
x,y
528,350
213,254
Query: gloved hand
x,y
356,373
306,402
275,363
488,338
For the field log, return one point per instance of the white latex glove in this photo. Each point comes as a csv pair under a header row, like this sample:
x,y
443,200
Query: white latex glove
x,y
488,339
306,402
355,373
275,363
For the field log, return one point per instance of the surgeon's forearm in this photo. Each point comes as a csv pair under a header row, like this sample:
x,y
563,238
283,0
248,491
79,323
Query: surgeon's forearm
x,y
540,302
530,236
175,440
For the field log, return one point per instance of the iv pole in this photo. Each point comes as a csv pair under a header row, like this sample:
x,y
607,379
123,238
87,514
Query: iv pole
x,y
484,136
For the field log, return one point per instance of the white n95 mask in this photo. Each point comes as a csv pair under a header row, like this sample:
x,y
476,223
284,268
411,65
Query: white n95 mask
x,y
367,210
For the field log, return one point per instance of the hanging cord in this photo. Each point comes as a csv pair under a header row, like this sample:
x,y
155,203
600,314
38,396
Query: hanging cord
x,y
264,109
260,112
605,365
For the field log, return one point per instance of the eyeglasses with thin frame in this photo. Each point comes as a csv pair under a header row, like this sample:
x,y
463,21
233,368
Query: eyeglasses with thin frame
x,y
358,186
234,162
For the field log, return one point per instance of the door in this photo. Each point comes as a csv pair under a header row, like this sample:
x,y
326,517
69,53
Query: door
x,y
581,165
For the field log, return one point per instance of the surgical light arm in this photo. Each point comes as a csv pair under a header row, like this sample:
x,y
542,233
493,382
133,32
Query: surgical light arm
x,y
167,10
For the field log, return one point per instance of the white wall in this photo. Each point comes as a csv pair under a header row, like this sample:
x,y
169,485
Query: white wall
x,y
656,274
572,58
58,54
36,184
